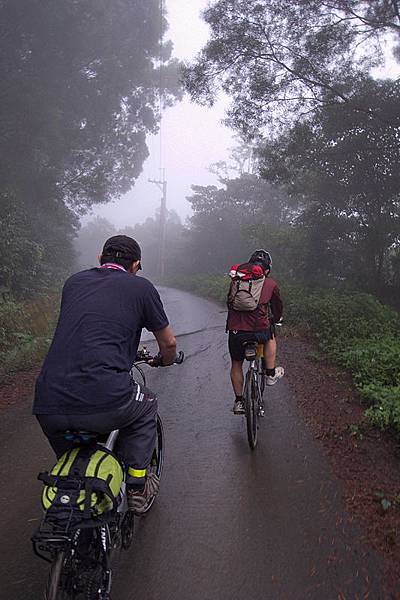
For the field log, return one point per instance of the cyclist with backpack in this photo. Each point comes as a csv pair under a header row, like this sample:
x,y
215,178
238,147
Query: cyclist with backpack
x,y
85,381
254,306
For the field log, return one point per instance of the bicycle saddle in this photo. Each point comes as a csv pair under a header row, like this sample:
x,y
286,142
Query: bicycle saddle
x,y
250,350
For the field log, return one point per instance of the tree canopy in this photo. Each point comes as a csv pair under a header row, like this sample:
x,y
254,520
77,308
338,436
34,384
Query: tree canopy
x,y
343,168
299,77
80,91
232,219
280,59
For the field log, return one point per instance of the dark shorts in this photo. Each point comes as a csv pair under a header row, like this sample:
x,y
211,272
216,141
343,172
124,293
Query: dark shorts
x,y
237,339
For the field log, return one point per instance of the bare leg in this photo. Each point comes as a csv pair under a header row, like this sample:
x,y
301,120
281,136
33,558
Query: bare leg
x,y
270,353
237,377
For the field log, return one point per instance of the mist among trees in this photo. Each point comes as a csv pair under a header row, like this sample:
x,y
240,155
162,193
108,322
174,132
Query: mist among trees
x,y
79,94
315,177
325,132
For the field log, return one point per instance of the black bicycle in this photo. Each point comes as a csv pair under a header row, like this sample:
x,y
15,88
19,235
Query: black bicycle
x,y
82,557
254,386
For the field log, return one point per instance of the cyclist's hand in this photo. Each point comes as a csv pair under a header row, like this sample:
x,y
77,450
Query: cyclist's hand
x,y
157,361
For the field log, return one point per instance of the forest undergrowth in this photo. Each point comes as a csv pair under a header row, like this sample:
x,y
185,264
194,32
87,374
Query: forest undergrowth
x,y
26,329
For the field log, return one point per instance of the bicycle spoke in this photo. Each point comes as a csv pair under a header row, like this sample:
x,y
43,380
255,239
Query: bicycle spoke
x,y
52,591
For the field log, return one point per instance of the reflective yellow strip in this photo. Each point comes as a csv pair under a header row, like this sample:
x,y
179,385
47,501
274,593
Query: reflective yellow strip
x,y
60,468
137,472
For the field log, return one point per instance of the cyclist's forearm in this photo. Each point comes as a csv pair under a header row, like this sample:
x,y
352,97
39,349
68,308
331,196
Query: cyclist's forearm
x,y
167,345
168,353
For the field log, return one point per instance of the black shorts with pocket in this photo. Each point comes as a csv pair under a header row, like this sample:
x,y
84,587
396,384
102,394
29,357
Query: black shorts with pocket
x,y
237,338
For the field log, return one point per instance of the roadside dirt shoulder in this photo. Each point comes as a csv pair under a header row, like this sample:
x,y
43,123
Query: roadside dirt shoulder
x,y
363,458
18,386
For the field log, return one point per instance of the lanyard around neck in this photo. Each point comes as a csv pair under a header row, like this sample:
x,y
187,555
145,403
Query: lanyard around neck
x,y
113,266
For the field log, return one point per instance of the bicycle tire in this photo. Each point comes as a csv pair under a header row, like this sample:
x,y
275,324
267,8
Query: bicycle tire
x,y
93,584
138,375
250,399
53,590
157,459
127,530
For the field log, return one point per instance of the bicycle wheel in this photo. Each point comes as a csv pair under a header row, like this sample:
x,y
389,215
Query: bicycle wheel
x,y
53,589
95,569
137,374
250,396
157,459
128,530
95,585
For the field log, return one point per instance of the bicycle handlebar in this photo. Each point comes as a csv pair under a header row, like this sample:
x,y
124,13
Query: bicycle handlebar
x,y
143,355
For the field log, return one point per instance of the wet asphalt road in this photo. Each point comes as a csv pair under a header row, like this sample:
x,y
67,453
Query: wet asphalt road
x,y
229,524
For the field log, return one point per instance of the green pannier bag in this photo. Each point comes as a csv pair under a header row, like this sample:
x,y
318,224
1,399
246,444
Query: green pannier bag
x,y
83,486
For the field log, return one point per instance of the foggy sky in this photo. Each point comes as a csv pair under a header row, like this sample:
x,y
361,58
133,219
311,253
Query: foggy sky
x,y
192,136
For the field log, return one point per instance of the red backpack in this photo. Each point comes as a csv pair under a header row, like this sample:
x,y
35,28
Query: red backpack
x,y
247,282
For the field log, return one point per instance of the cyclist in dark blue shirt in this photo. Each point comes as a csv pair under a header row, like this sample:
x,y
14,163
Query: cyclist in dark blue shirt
x,y
85,383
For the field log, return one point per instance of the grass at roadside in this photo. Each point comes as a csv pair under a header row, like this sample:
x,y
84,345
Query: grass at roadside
x,y
26,329
354,329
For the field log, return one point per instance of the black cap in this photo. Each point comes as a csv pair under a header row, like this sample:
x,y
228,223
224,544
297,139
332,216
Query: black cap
x,y
122,246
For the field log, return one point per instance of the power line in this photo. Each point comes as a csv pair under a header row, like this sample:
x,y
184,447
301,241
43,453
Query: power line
x,y
160,88
161,183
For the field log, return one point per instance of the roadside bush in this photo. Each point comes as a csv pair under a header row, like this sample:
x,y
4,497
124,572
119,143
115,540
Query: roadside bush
x,y
385,409
25,332
360,334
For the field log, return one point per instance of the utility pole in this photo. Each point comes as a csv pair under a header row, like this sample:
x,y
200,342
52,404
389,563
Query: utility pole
x,y
162,186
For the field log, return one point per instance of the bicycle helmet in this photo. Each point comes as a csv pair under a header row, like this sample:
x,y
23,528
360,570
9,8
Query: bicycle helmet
x,y
263,258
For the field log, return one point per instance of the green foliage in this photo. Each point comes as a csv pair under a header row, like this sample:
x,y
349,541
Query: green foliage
x,y
327,131
327,46
80,83
234,218
385,409
360,334
343,168
25,332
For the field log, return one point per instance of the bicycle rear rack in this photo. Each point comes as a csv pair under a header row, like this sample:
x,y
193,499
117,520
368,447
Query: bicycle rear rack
x,y
50,537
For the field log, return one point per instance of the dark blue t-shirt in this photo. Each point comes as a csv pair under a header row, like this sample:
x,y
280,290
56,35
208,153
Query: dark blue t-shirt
x,y
87,367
